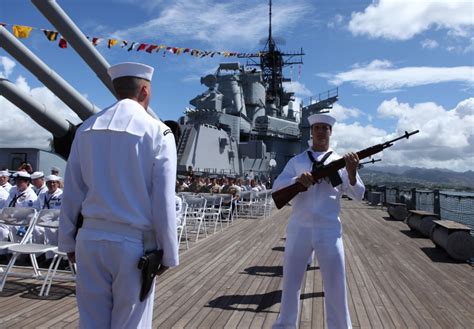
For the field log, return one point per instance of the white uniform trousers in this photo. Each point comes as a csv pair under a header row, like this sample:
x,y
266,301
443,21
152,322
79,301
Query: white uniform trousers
x,y
108,283
329,249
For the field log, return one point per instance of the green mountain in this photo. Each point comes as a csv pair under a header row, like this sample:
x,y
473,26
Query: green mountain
x,y
417,177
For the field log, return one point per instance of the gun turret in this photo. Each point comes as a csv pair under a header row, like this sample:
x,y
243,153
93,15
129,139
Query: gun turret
x,y
62,130
71,97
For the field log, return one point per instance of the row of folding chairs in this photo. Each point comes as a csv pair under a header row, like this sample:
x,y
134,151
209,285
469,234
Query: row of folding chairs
x,y
27,221
205,212
255,204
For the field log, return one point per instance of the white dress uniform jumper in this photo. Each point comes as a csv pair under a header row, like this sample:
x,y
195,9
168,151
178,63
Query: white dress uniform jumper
x,y
314,225
47,235
19,199
120,176
7,187
3,197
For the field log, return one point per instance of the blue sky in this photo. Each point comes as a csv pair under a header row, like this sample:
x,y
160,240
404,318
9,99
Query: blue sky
x,y
399,64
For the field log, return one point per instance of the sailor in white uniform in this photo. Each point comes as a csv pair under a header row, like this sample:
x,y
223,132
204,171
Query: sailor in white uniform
x,y
49,199
21,196
55,171
3,228
3,197
4,177
119,141
314,224
38,183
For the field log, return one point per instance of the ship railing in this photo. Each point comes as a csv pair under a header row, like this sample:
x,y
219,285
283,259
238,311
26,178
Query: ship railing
x,y
329,94
450,205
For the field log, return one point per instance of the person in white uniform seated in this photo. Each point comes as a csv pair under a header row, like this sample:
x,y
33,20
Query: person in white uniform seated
x,y
3,197
21,196
49,199
179,210
38,183
120,177
4,183
314,225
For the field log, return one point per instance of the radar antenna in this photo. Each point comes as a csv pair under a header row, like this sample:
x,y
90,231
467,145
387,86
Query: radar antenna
x,y
272,61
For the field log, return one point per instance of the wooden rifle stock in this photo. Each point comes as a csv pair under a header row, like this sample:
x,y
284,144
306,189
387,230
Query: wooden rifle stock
x,y
286,194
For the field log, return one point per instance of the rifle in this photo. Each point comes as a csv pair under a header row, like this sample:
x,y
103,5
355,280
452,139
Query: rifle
x,y
361,164
284,195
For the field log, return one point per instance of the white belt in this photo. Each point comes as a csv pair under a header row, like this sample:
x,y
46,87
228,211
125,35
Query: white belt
x,y
113,227
147,237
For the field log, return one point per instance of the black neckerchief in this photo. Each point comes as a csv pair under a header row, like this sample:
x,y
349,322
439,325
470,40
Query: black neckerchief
x,y
13,202
318,164
47,201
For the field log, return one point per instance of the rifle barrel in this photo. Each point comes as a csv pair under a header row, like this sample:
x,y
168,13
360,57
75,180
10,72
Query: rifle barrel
x,y
406,135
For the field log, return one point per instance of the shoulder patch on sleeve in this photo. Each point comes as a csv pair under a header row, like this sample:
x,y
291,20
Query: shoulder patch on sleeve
x,y
166,132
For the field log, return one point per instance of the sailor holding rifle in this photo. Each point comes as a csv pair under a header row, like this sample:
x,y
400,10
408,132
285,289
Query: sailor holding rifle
x,y
119,213
314,224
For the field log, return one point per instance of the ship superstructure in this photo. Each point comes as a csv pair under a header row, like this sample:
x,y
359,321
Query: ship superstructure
x,y
246,120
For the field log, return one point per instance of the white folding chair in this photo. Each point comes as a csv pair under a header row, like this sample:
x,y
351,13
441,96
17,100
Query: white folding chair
x,y
13,219
48,219
226,208
268,203
245,202
10,220
182,226
29,248
195,214
212,212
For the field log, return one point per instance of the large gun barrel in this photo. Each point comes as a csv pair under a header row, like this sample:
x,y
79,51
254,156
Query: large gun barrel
x,y
45,74
62,130
61,21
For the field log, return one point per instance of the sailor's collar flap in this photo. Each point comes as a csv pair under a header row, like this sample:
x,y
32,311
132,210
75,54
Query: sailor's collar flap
x,y
121,117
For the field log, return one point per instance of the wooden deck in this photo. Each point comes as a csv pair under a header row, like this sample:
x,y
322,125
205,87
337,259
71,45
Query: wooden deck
x,y
232,279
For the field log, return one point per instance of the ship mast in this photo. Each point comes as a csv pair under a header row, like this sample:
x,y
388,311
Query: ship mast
x,y
272,61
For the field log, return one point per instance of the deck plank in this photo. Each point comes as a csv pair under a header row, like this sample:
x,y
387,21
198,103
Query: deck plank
x,y
232,279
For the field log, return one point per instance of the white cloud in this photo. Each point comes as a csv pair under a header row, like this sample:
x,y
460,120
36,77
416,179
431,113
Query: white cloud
x,y
336,21
470,47
216,23
355,137
460,48
18,129
7,66
429,44
342,113
298,88
382,75
446,138
403,19
465,108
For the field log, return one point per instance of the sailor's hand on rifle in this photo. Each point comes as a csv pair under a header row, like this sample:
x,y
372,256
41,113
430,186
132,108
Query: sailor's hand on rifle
x,y
306,179
352,161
